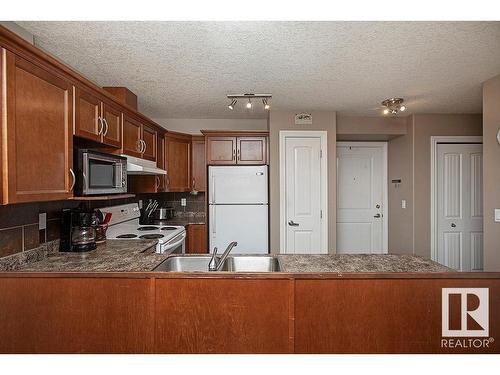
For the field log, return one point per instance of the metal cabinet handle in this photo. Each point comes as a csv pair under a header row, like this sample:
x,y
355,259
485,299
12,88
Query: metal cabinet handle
x,y
107,126
234,154
158,182
377,216
194,183
145,146
293,224
453,225
99,119
74,179
238,157
139,146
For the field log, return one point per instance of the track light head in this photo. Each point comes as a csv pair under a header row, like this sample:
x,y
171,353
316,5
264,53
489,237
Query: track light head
x,y
249,104
233,103
266,104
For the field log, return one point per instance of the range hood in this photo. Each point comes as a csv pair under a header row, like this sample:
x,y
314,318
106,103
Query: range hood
x,y
141,166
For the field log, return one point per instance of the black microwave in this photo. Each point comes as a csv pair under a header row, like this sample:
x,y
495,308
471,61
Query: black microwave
x,y
98,173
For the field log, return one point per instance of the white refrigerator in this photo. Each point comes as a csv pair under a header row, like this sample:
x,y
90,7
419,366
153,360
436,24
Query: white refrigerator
x,y
238,208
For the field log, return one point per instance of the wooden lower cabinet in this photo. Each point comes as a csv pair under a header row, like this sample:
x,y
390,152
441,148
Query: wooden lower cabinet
x,y
222,316
196,242
385,315
76,315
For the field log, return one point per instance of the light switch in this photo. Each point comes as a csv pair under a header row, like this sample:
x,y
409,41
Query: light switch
x,y
42,221
183,202
140,203
403,203
497,215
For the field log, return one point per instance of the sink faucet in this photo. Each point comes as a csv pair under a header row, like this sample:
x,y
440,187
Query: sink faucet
x,y
215,264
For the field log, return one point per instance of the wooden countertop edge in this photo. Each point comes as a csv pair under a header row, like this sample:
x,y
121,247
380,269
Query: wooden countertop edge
x,y
273,275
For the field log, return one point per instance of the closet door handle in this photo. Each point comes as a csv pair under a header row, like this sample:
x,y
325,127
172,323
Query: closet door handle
x,y
293,224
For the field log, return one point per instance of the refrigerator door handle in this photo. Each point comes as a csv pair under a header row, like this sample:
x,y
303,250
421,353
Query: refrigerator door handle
x,y
213,221
213,188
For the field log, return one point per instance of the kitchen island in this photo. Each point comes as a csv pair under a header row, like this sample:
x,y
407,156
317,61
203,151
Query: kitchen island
x,y
316,304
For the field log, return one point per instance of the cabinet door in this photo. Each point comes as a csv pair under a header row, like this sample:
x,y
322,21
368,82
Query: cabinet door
x,y
112,133
251,150
132,130
161,161
221,150
39,140
196,239
149,138
87,111
199,175
178,170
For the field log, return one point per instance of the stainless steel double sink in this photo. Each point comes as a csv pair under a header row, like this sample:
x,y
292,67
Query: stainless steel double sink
x,y
199,263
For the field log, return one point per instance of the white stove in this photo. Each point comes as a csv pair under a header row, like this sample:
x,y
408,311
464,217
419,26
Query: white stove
x,y
124,224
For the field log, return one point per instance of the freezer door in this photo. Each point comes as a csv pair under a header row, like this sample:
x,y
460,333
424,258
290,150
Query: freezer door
x,y
238,185
247,225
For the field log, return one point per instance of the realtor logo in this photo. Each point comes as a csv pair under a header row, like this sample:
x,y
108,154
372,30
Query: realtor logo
x,y
465,312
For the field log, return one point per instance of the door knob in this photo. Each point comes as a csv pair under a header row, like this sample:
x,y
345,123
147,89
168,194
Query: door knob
x,y
377,216
293,224
453,225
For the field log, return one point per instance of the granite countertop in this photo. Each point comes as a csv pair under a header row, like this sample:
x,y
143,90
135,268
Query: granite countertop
x,y
358,263
112,256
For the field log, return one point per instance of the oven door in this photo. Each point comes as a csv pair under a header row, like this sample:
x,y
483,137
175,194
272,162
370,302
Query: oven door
x,y
103,174
176,245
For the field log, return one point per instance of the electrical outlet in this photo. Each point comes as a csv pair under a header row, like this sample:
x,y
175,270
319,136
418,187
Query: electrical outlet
x,y
403,203
140,203
497,215
183,202
42,221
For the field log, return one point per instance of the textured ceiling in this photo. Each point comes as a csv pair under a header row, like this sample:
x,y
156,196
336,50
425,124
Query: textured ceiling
x,y
185,69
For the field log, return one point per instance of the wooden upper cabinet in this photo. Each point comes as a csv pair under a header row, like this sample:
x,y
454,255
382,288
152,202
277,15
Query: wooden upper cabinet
x,y
132,132
139,140
88,123
178,163
149,141
112,132
228,148
251,150
97,120
221,150
198,164
39,140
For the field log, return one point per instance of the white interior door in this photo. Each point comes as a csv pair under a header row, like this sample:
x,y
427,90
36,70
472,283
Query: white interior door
x,y
361,197
460,206
303,188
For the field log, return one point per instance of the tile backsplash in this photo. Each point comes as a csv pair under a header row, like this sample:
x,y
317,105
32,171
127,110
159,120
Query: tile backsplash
x,y
19,229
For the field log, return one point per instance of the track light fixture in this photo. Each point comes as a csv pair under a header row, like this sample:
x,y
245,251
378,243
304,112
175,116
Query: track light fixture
x,y
265,98
393,106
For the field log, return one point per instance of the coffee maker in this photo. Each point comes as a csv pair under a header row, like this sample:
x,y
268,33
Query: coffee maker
x,y
78,232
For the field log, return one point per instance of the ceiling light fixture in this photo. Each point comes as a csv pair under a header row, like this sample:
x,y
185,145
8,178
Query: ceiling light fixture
x,y
265,100
233,103
393,106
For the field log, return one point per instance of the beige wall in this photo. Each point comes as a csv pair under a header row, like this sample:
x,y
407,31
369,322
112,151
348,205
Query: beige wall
x,y
400,166
193,126
361,128
491,173
282,120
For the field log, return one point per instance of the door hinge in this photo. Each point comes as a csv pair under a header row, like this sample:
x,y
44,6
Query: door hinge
x,y
321,214
320,153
